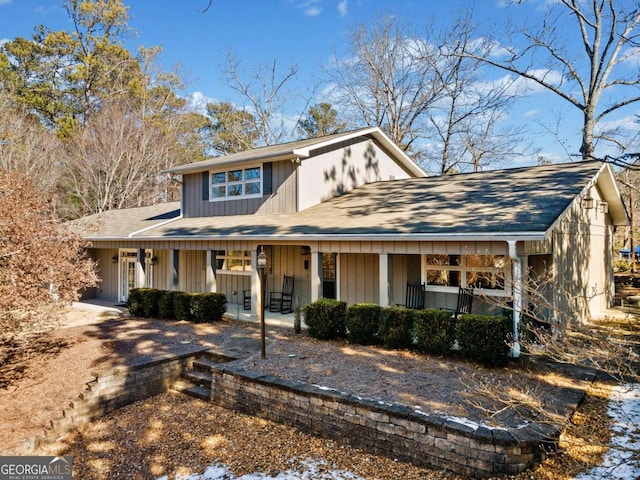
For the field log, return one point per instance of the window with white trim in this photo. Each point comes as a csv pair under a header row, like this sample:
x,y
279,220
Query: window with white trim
x,y
233,261
235,184
487,272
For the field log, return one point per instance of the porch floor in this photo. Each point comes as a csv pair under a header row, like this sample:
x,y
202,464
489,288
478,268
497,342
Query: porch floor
x,y
234,312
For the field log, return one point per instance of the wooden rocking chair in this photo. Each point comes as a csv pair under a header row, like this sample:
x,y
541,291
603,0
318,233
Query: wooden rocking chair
x,y
283,301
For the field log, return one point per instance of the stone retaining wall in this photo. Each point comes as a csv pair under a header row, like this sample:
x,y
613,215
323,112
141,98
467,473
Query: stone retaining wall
x,y
110,390
390,430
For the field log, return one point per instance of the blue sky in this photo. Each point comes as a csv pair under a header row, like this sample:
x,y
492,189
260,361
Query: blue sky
x,y
304,32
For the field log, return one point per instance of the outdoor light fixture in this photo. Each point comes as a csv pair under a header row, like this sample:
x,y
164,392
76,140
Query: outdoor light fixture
x,y
262,264
114,259
604,207
586,202
154,260
262,259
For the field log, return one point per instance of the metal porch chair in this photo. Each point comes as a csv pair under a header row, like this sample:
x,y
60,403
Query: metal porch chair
x,y
414,296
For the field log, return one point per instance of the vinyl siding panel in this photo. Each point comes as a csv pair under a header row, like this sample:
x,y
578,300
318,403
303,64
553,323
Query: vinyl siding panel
x,y
342,167
107,289
191,275
281,200
359,278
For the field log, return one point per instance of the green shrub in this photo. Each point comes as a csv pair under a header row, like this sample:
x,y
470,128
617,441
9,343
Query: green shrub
x,y
150,301
165,305
135,303
182,305
434,330
363,323
484,338
396,328
325,318
208,307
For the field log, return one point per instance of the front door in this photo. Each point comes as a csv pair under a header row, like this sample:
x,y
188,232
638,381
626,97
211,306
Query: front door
x,y
127,274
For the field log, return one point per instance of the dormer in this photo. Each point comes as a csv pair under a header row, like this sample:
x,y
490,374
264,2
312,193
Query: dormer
x,y
291,177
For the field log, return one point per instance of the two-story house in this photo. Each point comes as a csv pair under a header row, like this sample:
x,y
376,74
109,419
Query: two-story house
x,y
350,216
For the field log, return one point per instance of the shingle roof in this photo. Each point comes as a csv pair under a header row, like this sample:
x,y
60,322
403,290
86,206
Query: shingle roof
x,y
519,202
301,149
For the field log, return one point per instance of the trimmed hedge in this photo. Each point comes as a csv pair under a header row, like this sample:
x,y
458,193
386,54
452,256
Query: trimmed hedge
x,y
166,305
150,300
434,331
484,338
182,305
154,303
135,302
363,323
396,328
325,318
208,307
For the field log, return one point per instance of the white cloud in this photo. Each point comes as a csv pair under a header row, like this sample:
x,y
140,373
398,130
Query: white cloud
x,y
342,8
5,2
313,11
197,102
531,113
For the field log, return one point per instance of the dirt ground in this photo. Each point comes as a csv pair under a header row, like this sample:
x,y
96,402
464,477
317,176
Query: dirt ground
x,y
172,433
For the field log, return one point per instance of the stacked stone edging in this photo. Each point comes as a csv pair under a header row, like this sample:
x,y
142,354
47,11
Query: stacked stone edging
x,y
393,431
110,390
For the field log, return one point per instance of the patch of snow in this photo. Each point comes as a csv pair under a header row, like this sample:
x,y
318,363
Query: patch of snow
x,y
622,460
312,470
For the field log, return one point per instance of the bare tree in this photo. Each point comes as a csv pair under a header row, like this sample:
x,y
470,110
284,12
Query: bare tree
x,y
115,160
579,54
426,96
387,82
26,146
270,96
467,122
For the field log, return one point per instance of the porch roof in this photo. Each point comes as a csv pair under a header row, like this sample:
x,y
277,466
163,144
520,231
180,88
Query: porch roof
x,y
520,203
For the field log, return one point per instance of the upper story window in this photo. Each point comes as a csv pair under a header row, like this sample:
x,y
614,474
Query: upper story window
x,y
235,184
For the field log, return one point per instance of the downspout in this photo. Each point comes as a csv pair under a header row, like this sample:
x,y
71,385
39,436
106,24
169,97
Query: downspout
x,y
517,296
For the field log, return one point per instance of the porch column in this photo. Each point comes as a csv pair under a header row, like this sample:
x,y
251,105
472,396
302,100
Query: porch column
x,y
516,266
140,266
384,279
256,298
210,272
315,280
174,268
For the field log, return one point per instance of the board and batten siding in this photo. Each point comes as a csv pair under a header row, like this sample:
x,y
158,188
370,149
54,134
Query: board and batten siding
x,y
107,288
191,274
582,258
359,278
342,168
279,196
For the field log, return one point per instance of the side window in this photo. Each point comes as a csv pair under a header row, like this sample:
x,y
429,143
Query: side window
x,y
479,271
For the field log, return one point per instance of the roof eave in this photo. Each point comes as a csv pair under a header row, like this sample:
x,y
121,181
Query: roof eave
x,y
206,166
347,237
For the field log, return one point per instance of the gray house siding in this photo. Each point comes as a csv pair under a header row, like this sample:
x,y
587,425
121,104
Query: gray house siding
x,y
332,172
282,196
359,278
